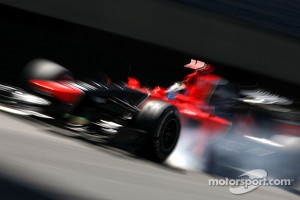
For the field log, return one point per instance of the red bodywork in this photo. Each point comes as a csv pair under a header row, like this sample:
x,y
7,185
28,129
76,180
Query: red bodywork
x,y
59,90
192,105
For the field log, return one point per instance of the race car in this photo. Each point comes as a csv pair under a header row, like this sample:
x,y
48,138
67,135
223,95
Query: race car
x,y
100,107
199,108
124,110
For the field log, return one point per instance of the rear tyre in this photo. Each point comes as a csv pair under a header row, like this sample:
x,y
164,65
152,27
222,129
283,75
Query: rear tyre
x,y
162,123
46,70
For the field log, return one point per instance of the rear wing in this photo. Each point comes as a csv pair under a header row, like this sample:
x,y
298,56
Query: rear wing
x,y
199,66
196,64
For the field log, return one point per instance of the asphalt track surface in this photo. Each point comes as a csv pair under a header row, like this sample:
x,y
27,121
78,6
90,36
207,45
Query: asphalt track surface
x,y
40,162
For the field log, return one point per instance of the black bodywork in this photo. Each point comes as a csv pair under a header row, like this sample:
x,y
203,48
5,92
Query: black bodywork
x,y
110,111
113,100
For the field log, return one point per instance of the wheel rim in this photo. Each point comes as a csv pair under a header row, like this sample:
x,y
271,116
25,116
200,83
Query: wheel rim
x,y
169,135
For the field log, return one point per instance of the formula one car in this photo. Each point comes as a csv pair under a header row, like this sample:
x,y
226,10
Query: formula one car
x,y
127,110
200,107
102,107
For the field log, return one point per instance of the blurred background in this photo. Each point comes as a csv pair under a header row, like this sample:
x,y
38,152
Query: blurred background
x,y
253,44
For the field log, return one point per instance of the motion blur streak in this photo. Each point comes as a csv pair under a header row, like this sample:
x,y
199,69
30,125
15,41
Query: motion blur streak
x,y
194,136
278,15
252,142
40,163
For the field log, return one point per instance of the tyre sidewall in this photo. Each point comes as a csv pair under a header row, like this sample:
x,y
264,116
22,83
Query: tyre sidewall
x,y
153,118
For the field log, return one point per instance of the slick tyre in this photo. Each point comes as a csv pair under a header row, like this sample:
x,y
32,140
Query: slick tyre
x,y
162,123
46,70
